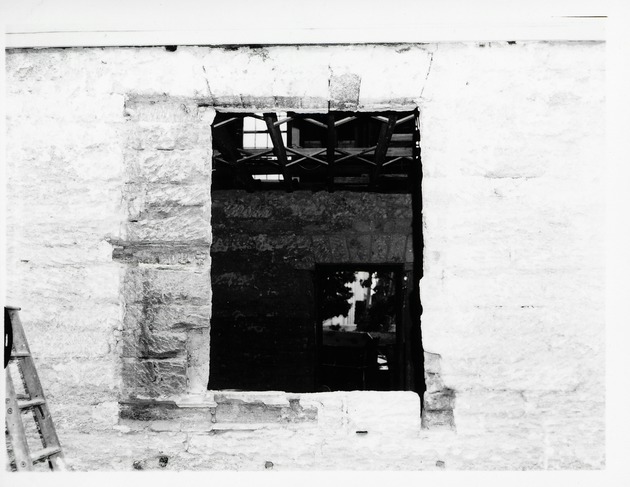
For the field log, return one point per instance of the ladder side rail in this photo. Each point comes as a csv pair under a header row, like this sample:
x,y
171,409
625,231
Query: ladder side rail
x,y
15,427
46,426
33,386
20,344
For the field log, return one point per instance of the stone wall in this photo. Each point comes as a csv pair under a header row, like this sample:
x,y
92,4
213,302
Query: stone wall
x,y
264,250
165,288
512,293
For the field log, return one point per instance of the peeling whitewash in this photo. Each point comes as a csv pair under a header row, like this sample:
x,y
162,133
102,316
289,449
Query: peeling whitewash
x,y
512,294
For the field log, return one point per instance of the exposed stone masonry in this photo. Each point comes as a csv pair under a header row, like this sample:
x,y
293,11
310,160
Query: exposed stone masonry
x,y
513,287
166,287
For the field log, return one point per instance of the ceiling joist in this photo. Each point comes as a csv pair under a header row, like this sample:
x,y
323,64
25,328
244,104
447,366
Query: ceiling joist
x,y
359,147
278,147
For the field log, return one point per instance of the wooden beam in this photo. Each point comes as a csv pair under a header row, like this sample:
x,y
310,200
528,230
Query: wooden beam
x,y
307,156
253,156
349,155
380,118
344,120
331,143
278,147
404,119
351,151
352,154
395,159
217,125
381,148
315,122
225,144
283,121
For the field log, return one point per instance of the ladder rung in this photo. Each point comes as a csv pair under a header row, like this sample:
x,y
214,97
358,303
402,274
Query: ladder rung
x,y
30,403
20,354
45,453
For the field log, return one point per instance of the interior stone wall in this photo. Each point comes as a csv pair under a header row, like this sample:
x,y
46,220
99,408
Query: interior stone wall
x,y
264,250
512,293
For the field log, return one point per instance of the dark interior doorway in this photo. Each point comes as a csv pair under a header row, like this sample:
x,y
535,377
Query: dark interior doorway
x,y
360,327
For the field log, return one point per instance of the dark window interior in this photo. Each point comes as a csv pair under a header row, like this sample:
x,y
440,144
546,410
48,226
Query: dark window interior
x,y
282,183
335,150
359,325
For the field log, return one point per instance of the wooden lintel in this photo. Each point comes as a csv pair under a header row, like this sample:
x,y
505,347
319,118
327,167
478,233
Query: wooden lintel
x,y
278,147
381,147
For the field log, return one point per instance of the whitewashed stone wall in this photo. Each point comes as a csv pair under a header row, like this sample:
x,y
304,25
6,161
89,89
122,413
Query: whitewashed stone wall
x,y
512,144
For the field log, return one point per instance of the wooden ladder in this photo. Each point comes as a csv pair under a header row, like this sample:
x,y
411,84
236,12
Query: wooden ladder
x,y
33,399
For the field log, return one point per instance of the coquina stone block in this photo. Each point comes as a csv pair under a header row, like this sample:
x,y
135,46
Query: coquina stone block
x,y
169,317
154,378
175,167
162,109
159,286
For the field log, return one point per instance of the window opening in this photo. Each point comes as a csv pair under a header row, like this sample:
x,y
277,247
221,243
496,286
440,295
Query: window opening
x,y
267,290
255,134
359,327
358,151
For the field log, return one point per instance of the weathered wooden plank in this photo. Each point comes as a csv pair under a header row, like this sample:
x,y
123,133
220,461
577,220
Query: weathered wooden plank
x,y
344,121
402,137
45,453
254,156
224,122
30,403
278,147
396,159
380,118
315,122
352,151
283,121
381,148
305,155
350,155
354,155
330,150
405,119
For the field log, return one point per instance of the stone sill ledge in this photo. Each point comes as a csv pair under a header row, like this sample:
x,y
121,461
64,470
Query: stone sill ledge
x,y
391,413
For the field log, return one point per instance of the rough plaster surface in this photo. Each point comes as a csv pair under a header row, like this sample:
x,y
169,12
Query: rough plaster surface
x,y
512,137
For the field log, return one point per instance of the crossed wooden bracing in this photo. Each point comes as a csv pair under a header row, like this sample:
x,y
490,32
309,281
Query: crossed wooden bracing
x,y
334,150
